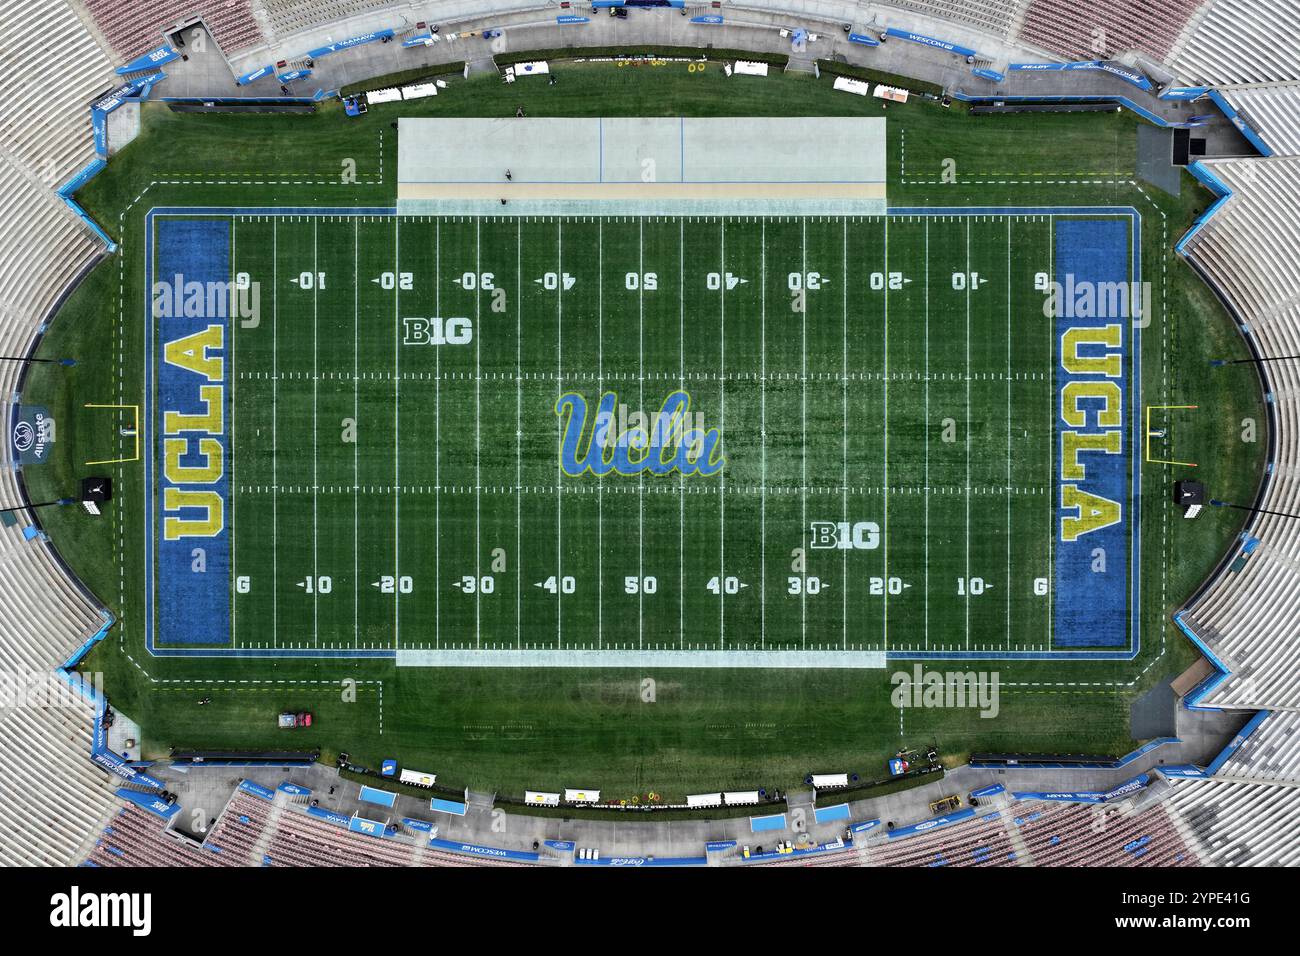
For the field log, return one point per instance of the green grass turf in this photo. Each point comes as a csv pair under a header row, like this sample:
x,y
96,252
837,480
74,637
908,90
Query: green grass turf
x,y
546,728
852,394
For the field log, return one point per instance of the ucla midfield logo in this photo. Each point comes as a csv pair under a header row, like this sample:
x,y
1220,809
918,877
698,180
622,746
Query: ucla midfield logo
x,y
668,444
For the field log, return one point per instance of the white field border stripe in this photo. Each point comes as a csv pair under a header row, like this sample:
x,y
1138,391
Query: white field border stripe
x,y
231,378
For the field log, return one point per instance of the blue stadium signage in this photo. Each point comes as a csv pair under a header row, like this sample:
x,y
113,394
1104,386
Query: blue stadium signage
x,y
255,75
148,61
350,43
932,42
473,849
33,434
257,790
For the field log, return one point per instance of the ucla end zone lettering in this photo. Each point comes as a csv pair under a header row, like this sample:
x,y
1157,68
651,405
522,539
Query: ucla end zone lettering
x,y
192,446
1093,370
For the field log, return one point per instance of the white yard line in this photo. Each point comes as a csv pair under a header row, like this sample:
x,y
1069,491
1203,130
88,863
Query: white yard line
x,y
967,284
1051,439
356,445
926,536
803,430
275,445
1008,585
600,479
844,438
478,522
397,432
640,487
681,478
315,428
519,430
437,441
762,431
884,641
559,434
722,393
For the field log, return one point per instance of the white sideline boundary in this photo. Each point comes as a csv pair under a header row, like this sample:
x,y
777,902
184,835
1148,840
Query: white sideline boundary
x,y
563,657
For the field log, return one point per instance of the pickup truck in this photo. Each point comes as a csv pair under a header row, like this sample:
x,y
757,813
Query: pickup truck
x,y
295,720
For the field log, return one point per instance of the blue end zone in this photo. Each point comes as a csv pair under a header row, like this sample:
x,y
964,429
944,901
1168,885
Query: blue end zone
x,y
1093,500
193,602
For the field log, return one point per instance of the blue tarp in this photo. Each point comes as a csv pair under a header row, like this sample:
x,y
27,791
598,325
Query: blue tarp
x,y
830,814
447,806
775,821
383,798
864,38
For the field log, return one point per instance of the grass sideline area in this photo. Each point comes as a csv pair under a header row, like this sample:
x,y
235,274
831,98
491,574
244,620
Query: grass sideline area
x,y
544,729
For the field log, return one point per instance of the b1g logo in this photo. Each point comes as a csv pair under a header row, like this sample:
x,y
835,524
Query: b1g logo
x,y
841,535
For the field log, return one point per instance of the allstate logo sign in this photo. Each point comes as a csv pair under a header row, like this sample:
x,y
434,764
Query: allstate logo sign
x,y
24,437
32,435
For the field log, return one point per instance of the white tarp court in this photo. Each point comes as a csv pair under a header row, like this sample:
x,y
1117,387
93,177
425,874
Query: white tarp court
x,y
642,166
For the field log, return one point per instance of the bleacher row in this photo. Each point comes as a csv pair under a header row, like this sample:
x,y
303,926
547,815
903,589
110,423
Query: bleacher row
x,y
54,65
1247,617
1033,833
253,832
51,796
1202,41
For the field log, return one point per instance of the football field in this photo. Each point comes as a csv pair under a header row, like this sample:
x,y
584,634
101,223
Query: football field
x,y
873,466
